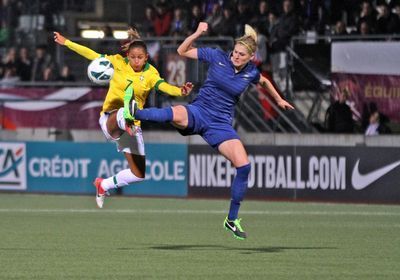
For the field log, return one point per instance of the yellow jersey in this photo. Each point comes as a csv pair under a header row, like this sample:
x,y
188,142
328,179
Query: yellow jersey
x,y
124,76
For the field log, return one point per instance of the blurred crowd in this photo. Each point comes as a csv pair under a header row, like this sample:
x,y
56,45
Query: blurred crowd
x,y
19,65
276,21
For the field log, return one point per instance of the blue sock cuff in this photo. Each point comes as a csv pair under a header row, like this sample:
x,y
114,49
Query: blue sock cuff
x,y
243,171
169,114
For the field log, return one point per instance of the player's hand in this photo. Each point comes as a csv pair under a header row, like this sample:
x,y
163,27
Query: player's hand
x,y
284,104
202,28
186,88
59,39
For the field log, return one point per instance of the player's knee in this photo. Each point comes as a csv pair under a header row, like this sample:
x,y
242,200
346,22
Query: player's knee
x,y
180,116
138,175
243,171
239,186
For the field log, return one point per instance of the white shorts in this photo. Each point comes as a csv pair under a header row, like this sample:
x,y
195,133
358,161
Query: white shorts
x,y
125,143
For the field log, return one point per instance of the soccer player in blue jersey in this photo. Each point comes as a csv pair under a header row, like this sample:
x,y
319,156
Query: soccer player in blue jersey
x,y
210,115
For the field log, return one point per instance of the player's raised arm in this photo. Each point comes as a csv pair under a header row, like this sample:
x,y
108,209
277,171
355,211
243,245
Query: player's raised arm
x,y
186,49
183,90
265,83
81,50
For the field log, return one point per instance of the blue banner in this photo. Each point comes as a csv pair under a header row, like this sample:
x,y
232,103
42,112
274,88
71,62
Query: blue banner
x,y
66,167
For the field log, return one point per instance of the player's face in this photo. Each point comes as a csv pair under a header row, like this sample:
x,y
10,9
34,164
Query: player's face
x,y
137,58
240,56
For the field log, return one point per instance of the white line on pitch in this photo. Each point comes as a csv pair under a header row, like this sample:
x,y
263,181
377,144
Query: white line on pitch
x,y
182,211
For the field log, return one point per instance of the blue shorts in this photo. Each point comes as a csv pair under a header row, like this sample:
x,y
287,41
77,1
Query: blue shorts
x,y
213,130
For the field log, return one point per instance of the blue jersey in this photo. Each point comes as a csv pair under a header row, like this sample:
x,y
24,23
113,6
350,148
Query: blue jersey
x,y
223,87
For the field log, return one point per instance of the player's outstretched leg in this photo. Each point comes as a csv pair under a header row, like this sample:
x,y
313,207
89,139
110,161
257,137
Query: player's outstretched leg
x,y
238,189
121,179
160,115
235,227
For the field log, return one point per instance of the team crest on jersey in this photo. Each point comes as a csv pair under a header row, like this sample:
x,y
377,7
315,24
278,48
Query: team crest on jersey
x,y
141,78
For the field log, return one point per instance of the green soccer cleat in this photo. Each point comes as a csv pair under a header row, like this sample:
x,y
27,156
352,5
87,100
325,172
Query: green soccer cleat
x,y
235,228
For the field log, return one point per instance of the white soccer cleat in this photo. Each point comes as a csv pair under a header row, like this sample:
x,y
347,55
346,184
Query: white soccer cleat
x,y
100,200
100,193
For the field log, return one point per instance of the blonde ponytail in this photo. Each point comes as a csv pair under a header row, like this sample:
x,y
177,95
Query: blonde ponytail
x,y
249,39
249,31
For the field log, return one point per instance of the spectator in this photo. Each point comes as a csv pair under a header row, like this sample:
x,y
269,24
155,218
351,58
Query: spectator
x,y
273,21
227,24
24,64
50,10
374,122
377,126
339,118
186,5
260,20
208,7
285,29
397,9
107,45
4,33
108,32
214,18
49,74
162,20
10,61
9,14
148,23
65,75
368,14
312,14
41,61
195,18
9,78
242,17
340,29
364,28
179,23
387,23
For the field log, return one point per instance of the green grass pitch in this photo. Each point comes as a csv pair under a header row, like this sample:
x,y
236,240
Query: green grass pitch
x,y
66,237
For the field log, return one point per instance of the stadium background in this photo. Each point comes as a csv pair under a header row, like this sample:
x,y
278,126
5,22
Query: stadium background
x,y
50,143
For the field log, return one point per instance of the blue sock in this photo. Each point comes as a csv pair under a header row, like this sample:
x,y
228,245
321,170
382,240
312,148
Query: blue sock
x,y
238,189
154,114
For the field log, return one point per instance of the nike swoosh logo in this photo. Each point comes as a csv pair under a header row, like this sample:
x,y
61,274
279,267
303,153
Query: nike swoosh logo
x,y
361,181
232,228
220,63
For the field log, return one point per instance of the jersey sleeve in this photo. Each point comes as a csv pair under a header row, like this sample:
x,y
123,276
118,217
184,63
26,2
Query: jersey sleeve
x,y
257,76
159,84
82,50
206,54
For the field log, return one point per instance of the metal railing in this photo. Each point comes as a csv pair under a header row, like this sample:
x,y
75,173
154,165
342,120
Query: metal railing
x,y
250,113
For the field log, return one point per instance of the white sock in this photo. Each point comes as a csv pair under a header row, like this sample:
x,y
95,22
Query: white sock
x,y
123,178
120,119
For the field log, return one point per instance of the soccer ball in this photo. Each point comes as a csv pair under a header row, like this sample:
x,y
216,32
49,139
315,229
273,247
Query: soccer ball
x,y
100,71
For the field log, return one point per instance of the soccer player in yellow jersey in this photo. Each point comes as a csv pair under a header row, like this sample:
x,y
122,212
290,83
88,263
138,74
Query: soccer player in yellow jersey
x,y
134,78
